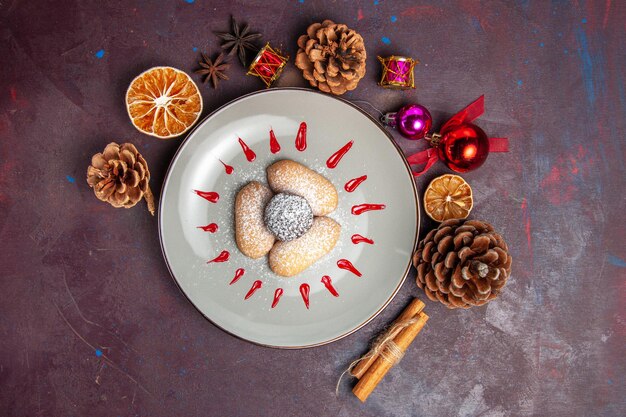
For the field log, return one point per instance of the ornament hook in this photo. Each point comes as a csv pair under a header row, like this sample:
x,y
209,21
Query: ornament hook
x,y
389,119
433,138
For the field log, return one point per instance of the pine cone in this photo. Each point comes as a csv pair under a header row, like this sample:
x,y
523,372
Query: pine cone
x,y
462,264
331,57
119,175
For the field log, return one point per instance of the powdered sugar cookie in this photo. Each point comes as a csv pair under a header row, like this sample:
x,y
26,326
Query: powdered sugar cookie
x,y
290,258
288,176
253,238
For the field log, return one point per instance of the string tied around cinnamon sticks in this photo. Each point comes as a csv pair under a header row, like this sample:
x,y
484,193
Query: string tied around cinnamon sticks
x,y
386,351
383,346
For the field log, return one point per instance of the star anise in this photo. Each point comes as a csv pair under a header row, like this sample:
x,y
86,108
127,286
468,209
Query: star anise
x,y
239,40
213,70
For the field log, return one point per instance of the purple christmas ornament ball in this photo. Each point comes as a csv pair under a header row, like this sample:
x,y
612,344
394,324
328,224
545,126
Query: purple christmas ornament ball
x,y
413,121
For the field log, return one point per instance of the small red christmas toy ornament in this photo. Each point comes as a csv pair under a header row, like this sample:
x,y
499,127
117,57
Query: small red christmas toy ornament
x,y
462,145
397,72
267,65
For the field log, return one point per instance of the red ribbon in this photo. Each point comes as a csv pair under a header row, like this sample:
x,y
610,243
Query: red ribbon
x,y
428,156
470,113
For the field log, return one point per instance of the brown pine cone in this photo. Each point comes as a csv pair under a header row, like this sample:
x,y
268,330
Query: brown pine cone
x,y
462,263
119,175
331,57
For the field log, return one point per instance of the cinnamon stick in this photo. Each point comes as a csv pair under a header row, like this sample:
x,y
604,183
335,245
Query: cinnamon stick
x,y
381,366
413,309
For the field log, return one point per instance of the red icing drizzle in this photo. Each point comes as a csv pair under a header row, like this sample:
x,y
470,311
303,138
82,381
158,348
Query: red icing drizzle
x,y
208,195
329,285
336,157
353,183
357,238
347,265
304,292
229,170
362,208
277,294
301,137
274,145
209,228
255,286
222,257
238,274
250,155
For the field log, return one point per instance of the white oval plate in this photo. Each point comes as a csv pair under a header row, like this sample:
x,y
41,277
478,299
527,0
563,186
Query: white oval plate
x,y
331,123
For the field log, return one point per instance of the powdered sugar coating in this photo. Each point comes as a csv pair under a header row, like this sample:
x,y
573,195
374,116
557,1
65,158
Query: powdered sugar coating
x,y
288,216
290,258
252,236
288,176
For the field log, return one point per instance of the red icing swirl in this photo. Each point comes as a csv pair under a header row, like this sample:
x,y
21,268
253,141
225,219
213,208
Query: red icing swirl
x,y
305,290
250,155
222,257
277,294
274,145
211,228
362,208
336,157
301,137
328,283
229,170
357,238
255,286
354,183
347,265
238,274
210,196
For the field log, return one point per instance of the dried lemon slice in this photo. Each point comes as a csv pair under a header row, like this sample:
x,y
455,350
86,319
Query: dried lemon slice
x,y
448,197
163,102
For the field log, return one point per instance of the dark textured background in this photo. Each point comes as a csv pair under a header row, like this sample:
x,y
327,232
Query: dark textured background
x,y
92,324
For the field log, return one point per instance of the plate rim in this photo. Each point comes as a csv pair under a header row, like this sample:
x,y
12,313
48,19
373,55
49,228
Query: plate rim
x,y
268,91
